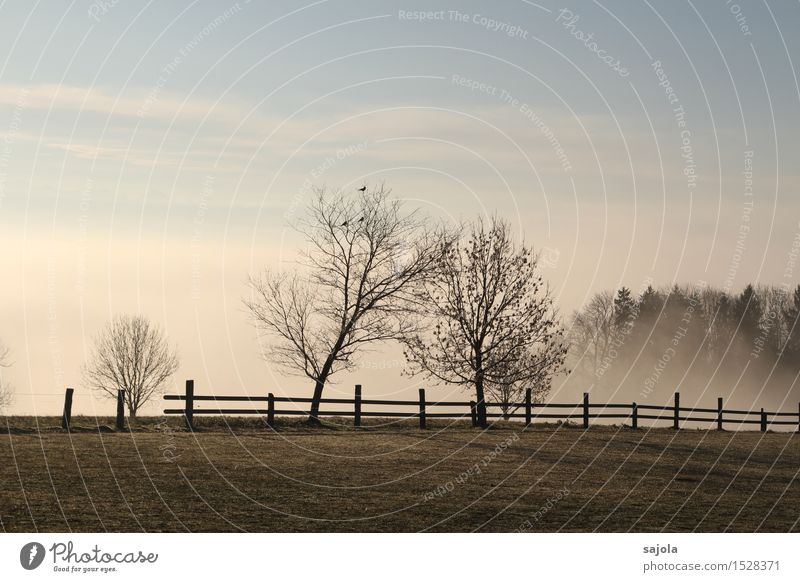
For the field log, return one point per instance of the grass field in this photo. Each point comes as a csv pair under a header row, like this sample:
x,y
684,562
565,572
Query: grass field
x,y
546,478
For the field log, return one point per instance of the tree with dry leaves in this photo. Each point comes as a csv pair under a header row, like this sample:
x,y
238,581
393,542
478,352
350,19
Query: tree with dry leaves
x,y
355,285
491,324
133,355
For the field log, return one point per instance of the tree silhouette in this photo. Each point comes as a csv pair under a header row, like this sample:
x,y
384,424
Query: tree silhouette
x,y
686,335
723,329
624,308
491,322
791,315
365,257
592,335
747,311
6,395
775,302
131,354
650,303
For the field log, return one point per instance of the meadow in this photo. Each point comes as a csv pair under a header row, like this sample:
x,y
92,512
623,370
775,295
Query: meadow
x,y
242,476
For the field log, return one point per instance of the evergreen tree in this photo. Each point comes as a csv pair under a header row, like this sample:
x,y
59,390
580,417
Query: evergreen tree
x,y
747,312
624,308
650,303
647,313
791,316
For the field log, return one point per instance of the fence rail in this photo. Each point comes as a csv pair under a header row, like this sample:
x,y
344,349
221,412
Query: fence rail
x,y
528,410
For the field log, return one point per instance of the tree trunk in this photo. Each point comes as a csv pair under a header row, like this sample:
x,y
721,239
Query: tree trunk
x,y
313,417
319,385
481,399
481,402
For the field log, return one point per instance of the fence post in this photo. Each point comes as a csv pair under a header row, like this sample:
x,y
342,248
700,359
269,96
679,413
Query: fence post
x,y
763,421
271,409
719,413
676,419
473,413
66,418
527,407
120,410
422,408
189,411
357,412
634,416
585,410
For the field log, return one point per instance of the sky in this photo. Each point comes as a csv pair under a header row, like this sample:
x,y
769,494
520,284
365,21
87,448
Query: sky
x,y
153,155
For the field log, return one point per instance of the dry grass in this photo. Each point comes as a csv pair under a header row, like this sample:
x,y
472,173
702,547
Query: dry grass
x,y
159,478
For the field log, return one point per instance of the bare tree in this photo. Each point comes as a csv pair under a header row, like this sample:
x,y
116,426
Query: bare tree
x,y
131,354
591,335
774,324
492,321
356,285
6,394
510,395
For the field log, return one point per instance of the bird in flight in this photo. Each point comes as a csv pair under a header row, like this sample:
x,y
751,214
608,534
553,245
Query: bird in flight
x,y
362,189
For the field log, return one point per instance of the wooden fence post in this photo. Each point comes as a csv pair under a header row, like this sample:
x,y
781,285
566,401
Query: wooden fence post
x,y
719,413
66,418
189,411
585,410
634,416
473,413
422,408
271,409
676,418
357,412
763,421
120,410
527,407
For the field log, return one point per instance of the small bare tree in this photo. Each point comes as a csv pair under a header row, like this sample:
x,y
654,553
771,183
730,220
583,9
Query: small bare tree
x,y
511,394
6,394
131,354
492,322
591,336
355,287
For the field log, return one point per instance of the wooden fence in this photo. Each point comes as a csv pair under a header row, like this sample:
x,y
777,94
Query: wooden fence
x,y
528,411
66,415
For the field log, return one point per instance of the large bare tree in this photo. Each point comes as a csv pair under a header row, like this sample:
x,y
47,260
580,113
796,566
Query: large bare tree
x,y
491,319
131,354
6,394
355,285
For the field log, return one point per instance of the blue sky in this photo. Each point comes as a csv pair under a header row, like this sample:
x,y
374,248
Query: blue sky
x,y
154,151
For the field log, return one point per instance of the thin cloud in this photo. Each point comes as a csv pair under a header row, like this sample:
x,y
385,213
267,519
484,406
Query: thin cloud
x,y
141,104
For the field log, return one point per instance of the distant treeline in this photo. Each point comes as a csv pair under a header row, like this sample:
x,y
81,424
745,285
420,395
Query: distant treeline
x,y
698,339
